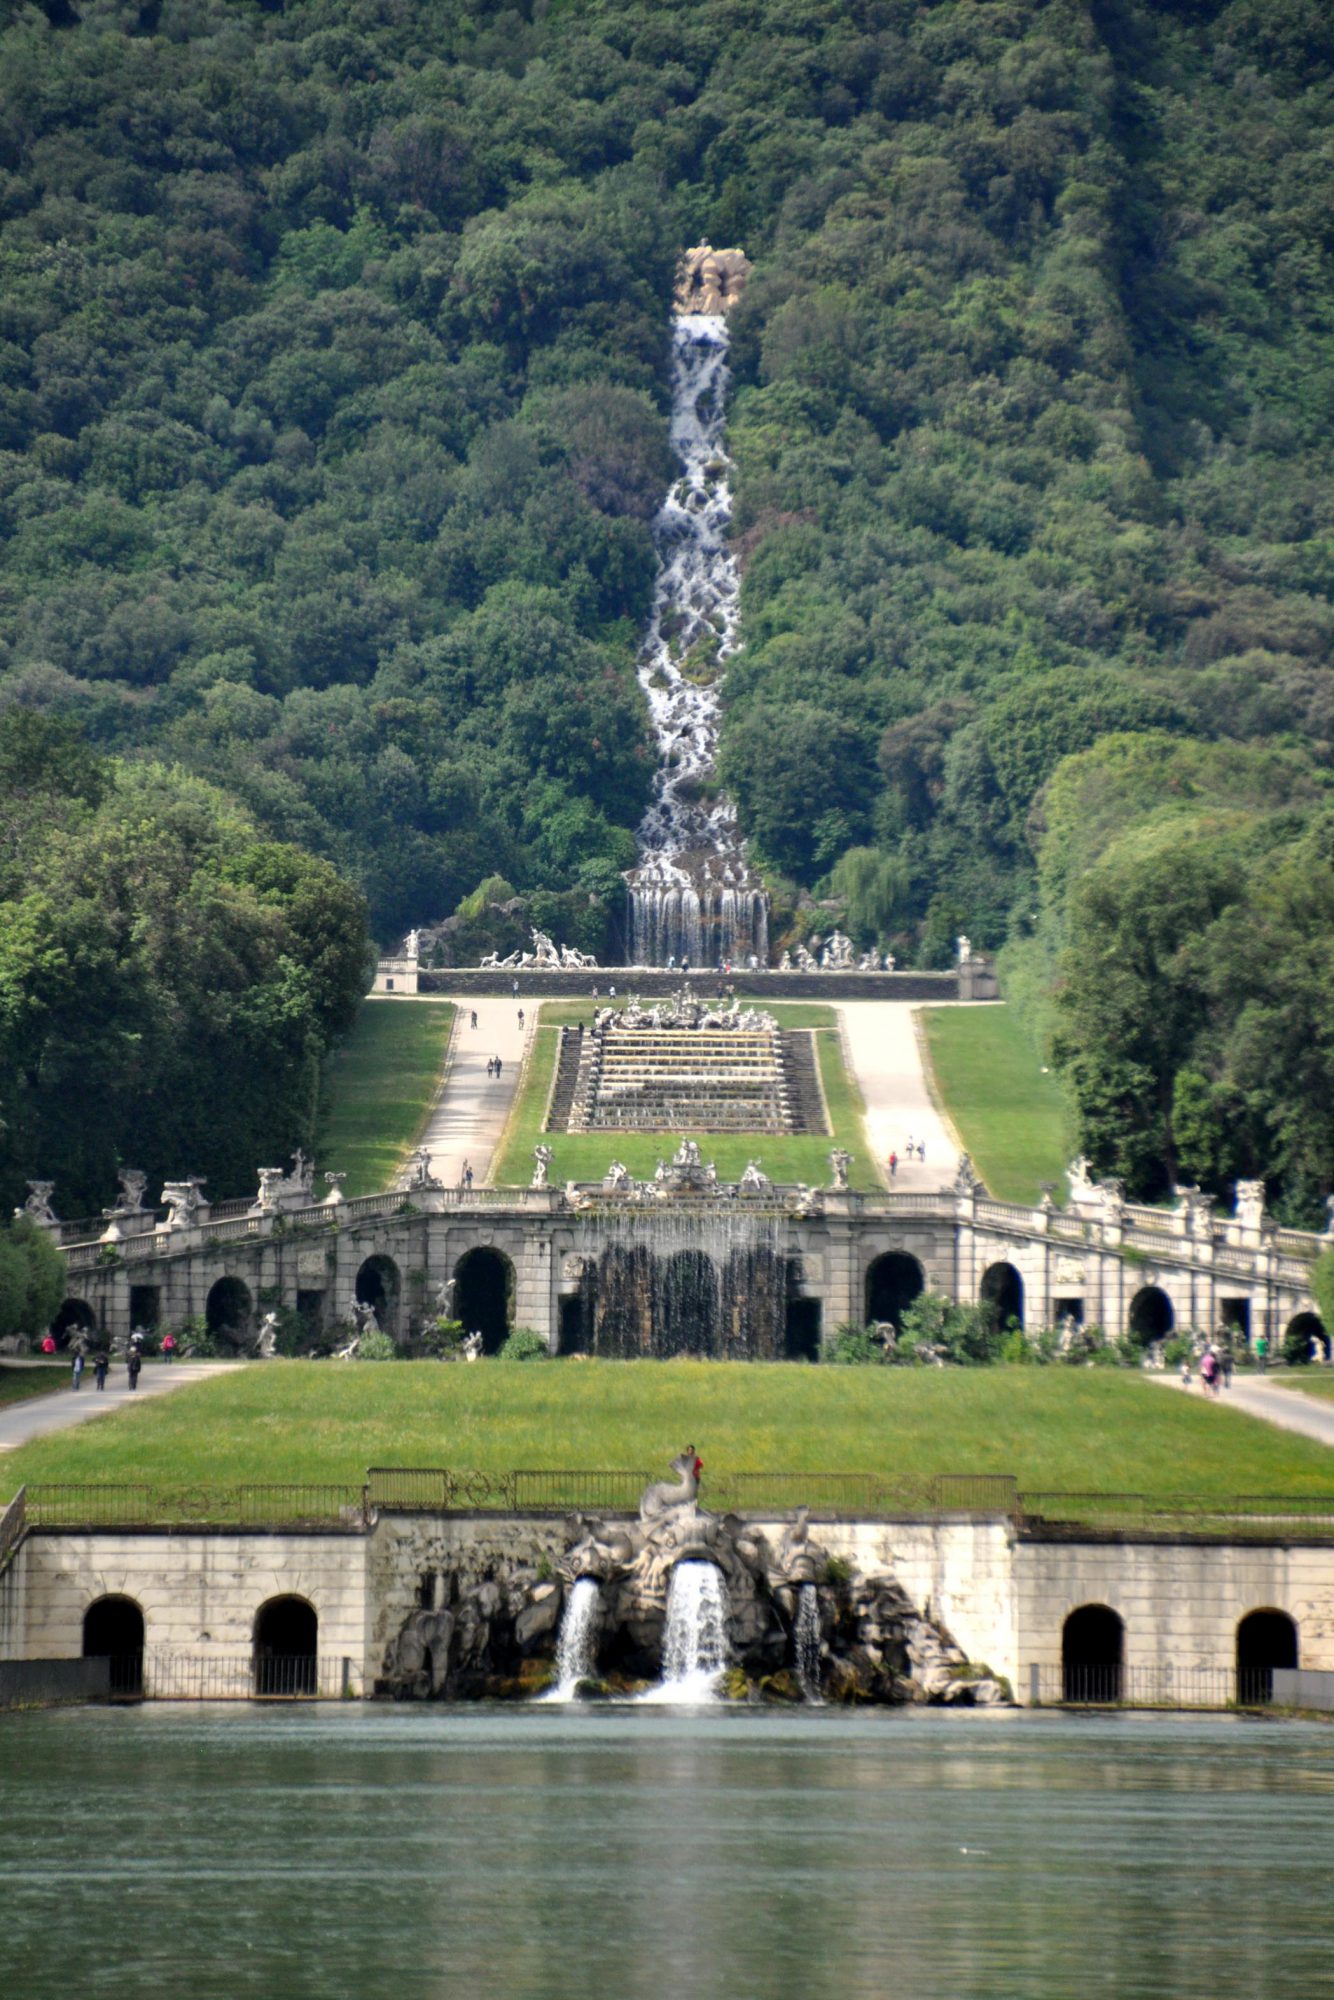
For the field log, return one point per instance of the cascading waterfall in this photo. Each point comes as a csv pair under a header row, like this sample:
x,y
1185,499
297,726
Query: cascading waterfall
x,y
694,1646
806,1641
693,897
575,1659
686,1277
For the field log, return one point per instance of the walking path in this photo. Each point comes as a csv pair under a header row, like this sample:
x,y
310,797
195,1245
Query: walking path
x,y
469,1115
1287,1408
20,1423
886,1056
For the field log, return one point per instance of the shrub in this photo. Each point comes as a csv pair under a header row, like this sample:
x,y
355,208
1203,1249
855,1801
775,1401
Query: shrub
x,y
1177,1350
376,1346
524,1345
852,1346
440,1339
1297,1347
194,1342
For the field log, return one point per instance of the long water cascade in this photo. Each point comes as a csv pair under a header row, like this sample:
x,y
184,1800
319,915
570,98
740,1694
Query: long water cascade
x,y
693,897
694,1645
575,1659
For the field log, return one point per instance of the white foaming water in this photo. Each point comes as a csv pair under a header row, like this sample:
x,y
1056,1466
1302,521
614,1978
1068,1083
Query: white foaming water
x,y
807,1641
694,1646
575,1659
693,896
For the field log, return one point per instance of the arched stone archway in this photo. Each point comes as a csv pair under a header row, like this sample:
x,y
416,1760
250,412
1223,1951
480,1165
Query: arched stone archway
x,y
893,1281
285,1654
1092,1654
484,1295
685,1304
1308,1327
1003,1288
1151,1316
229,1310
378,1285
75,1317
1265,1640
113,1629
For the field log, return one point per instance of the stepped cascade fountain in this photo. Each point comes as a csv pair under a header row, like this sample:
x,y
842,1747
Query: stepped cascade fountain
x,y
693,897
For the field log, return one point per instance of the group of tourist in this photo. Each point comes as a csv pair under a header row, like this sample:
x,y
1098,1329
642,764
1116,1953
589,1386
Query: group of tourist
x,y
1216,1366
915,1149
494,1066
101,1361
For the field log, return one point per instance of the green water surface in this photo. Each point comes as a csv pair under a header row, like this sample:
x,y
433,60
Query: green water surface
x,y
720,1855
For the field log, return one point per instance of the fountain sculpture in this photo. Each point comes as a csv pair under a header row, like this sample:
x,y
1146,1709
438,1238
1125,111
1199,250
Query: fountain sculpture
x,y
674,1604
693,898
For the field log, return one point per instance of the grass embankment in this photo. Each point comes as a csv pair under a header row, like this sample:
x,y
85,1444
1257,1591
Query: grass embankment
x,y
787,1157
17,1385
1066,1429
1316,1380
378,1089
1009,1115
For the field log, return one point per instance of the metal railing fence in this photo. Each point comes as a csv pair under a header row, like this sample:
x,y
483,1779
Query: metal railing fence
x,y
1166,1684
146,1504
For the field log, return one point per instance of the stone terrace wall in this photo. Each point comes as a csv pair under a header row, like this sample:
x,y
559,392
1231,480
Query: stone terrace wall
x,y
1180,1602
199,1592
550,984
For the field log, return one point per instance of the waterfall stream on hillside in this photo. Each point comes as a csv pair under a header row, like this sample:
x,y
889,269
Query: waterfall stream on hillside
x,y
692,896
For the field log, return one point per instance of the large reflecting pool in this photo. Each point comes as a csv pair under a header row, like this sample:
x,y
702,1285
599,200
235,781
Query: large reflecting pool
x,y
717,1856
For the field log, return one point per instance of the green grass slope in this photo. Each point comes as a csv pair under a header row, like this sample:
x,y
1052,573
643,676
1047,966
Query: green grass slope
x,y
379,1088
1059,1428
1008,1112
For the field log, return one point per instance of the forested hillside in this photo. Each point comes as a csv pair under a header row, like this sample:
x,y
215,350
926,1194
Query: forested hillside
x,y
332,363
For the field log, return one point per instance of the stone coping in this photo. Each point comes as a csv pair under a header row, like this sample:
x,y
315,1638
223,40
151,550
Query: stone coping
x,y
555,982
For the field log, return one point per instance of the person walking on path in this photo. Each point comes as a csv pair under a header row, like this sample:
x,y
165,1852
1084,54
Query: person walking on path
x,y
893,1165
1262,1352
134,1361
474,1017
498,1065
1209,1371
467,1178
168,1347
100,1367
1226,1364
78,1371
49,1344
521,1017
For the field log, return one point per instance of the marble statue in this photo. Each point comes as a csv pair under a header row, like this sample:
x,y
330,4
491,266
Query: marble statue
x,y
38,1204
364,1317
618,1179
130,1200
710,281
658,1498
837,953
444,1297
334,1183
967,1180
472,1346
412,944
266,1340
181,1200
964,949
754,1178
840,1162
416,1177
542,1158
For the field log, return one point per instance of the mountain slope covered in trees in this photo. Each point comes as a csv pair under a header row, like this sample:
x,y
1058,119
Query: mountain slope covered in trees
x,y
332,378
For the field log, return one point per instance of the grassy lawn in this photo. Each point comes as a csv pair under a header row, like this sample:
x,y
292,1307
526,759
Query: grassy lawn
x,y
1009,1115
18,1384
1313,1381
585,1156
378,1089
1054,1428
